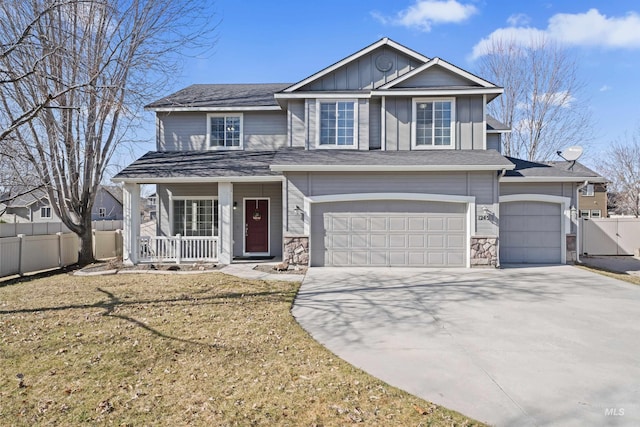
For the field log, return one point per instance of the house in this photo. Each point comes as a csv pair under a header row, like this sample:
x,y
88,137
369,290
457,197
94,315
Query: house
x,y
34,206
593,201
384,158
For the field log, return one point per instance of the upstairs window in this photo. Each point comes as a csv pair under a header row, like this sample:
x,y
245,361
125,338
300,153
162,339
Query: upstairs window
x,y
45,212
433,123
588,190
102,212
224,131
337,124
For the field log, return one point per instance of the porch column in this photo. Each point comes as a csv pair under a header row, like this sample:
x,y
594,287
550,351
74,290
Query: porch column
x,y
131,223
225,236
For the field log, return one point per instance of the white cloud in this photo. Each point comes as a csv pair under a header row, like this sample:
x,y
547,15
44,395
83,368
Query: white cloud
x,y
519,20
581,29
425,13
561,99
605,88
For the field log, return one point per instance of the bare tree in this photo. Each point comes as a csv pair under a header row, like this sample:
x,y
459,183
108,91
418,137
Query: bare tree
x,y
621,164
542,100
75,74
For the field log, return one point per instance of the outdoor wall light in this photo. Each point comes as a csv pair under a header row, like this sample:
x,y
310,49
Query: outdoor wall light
x,y
235,205
298,210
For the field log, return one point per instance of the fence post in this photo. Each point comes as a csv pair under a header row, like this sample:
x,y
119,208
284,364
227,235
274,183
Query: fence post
x,y
60,256
179,249
20,250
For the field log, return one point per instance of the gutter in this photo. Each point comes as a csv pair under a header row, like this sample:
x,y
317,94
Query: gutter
x,y
578,188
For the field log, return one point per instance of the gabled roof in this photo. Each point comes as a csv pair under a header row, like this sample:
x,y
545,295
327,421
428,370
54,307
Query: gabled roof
x,y
114,190
382,42
28,199
495,126
551,171
444,64
221,97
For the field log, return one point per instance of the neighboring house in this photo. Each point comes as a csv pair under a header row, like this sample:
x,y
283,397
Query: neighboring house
x,y
592,201
385,158
35,206
149,207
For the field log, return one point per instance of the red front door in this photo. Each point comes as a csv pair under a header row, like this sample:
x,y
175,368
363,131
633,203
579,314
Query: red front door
x,y
256,225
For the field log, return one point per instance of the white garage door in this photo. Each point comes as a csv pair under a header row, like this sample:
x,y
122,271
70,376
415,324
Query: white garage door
x,y
530,232
362,234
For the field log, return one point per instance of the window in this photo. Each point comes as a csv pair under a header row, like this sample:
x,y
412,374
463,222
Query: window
x,y
45,212
595,213
585,213
588,190
102,212
337,127
195,217
433,123
224,131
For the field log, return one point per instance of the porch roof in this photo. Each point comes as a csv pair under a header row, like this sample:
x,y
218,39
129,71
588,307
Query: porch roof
x,y
377,160
161,166
550,171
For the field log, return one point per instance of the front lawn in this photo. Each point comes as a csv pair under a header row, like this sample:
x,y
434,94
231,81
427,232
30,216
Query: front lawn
x,y
206,349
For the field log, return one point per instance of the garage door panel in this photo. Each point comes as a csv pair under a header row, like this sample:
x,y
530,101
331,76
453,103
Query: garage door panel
x,y
530,232
362,233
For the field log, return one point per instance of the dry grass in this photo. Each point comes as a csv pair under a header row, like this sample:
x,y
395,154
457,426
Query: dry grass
x,y
207,349
603,271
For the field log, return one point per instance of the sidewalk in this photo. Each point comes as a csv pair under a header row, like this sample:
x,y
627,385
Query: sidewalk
x,y
618,264
246,270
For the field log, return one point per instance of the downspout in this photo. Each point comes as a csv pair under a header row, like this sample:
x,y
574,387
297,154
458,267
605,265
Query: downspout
x,y
578,188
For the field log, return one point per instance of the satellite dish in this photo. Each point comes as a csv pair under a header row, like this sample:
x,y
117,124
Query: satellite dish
x,y
571,154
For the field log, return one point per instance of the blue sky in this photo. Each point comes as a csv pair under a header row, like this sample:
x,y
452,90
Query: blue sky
x,y
286,41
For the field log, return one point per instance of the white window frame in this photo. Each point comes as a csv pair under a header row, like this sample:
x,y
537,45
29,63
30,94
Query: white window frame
x,y
356,108
414,115
588,191
585,213
596,213
173,199
102,212
225,115
45,209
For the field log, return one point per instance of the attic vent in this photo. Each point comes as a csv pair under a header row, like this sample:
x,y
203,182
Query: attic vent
x,y
384,63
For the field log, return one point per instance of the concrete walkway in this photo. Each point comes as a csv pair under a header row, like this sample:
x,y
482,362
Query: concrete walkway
x,y
513,347
246,270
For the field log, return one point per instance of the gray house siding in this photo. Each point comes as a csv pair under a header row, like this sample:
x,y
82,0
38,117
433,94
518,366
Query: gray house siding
x,y
375,117
363,74
184,131
398,124
297,123
482,185
113,208
435,76
494,142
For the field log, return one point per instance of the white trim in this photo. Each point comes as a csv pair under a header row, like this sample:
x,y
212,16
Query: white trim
x,y
444,64
356,117
214,109
195,179
50,212
551,179
437,92
382,42
565,206
244,226
173,198
498,130
207,140
419,197
386,168
452,125
484,122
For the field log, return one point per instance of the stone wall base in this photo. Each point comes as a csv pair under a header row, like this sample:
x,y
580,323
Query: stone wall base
x,y
296,250
484,252
572,252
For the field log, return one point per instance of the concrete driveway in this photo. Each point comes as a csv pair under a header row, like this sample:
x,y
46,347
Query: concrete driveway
x,y
551,345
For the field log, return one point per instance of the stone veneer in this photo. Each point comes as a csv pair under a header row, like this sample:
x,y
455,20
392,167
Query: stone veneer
x,y
296,250
484,251
571,249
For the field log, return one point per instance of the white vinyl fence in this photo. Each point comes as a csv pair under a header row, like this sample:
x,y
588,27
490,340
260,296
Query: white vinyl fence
x,y
40,228
610,236
24,254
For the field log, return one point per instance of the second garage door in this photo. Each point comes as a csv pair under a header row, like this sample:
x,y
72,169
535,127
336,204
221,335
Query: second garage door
x,y
530,232
408,234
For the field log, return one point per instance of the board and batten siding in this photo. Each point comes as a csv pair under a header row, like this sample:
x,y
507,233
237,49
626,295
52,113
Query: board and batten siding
x,y
482,185
375,117
494,142
435,76
296,123
363,74
186,131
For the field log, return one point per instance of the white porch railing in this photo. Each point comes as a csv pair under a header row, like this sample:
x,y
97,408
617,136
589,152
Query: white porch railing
x,y
178,249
